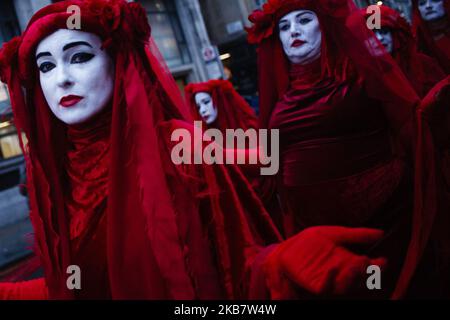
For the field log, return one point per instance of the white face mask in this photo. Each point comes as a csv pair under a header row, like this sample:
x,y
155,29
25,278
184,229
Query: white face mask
x,y
206,107
385,37
76,76
301,36
431,9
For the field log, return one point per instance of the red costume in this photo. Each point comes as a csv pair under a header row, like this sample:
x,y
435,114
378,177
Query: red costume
x,y
433,37
347,132
421,70
233,111
105,195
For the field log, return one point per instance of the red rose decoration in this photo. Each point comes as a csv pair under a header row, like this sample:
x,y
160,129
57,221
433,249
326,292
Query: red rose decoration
x,y
141,27
336,8
7,54
95,7
263,25
107,11
111,16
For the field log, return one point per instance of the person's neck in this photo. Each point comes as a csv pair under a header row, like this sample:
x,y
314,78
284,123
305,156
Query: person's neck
x,y
306,73
95,129
439,26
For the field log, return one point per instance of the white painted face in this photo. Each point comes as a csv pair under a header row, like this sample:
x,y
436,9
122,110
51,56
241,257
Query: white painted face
x,y
206,107
431,9
301,36
76,76
385,37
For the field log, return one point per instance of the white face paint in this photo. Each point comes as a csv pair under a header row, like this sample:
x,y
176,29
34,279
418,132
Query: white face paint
x,y
77,77
431,9
206,107
385,37
301,36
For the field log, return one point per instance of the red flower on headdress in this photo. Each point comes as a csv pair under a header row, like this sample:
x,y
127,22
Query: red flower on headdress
x,y
108,12
263,25
272,6
139,21
336,8
7,54
111,16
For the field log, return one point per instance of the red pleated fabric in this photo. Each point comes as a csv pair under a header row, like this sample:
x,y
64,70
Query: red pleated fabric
x,y
421,70
233,111
433,38
345,121
105,195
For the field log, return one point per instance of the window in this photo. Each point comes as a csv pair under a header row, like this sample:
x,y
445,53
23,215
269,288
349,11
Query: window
x,y
8,21
166,31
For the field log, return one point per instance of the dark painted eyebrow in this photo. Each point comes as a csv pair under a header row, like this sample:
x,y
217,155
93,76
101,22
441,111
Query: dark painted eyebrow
x,y
43,54
66,47
298,15
74,44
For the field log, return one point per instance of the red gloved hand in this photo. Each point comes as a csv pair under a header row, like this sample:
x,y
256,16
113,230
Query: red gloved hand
x,y
26,290
317,260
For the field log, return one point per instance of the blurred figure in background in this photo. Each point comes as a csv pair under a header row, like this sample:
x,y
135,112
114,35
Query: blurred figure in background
x,y
395,34
431,26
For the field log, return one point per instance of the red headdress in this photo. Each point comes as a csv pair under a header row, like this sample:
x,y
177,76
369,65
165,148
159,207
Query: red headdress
x,y
155,243
422,71
233,111
351,52
425,33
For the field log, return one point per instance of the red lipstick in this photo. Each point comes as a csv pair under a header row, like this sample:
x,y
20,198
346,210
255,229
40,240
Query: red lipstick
x,y
69,100
297,43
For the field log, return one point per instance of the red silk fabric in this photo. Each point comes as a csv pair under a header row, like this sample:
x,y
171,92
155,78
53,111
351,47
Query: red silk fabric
x,y
433,38
142,228
233,111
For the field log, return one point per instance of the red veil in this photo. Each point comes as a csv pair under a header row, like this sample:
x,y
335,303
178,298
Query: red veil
x,y
159,216
351,51
422,71
433,38
233,111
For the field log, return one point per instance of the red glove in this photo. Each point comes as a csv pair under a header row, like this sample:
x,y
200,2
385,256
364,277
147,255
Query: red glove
x,y
26,290
318,261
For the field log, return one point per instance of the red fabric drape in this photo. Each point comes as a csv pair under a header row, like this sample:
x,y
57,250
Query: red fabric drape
x,y
155,232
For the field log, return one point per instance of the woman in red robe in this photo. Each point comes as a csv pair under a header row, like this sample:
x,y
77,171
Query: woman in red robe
x,y
228,109
395,34
348,137
431,27
105,194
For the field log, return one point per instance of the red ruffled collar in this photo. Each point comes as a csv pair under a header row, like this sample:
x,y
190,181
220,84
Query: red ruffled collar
x,y
87,163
